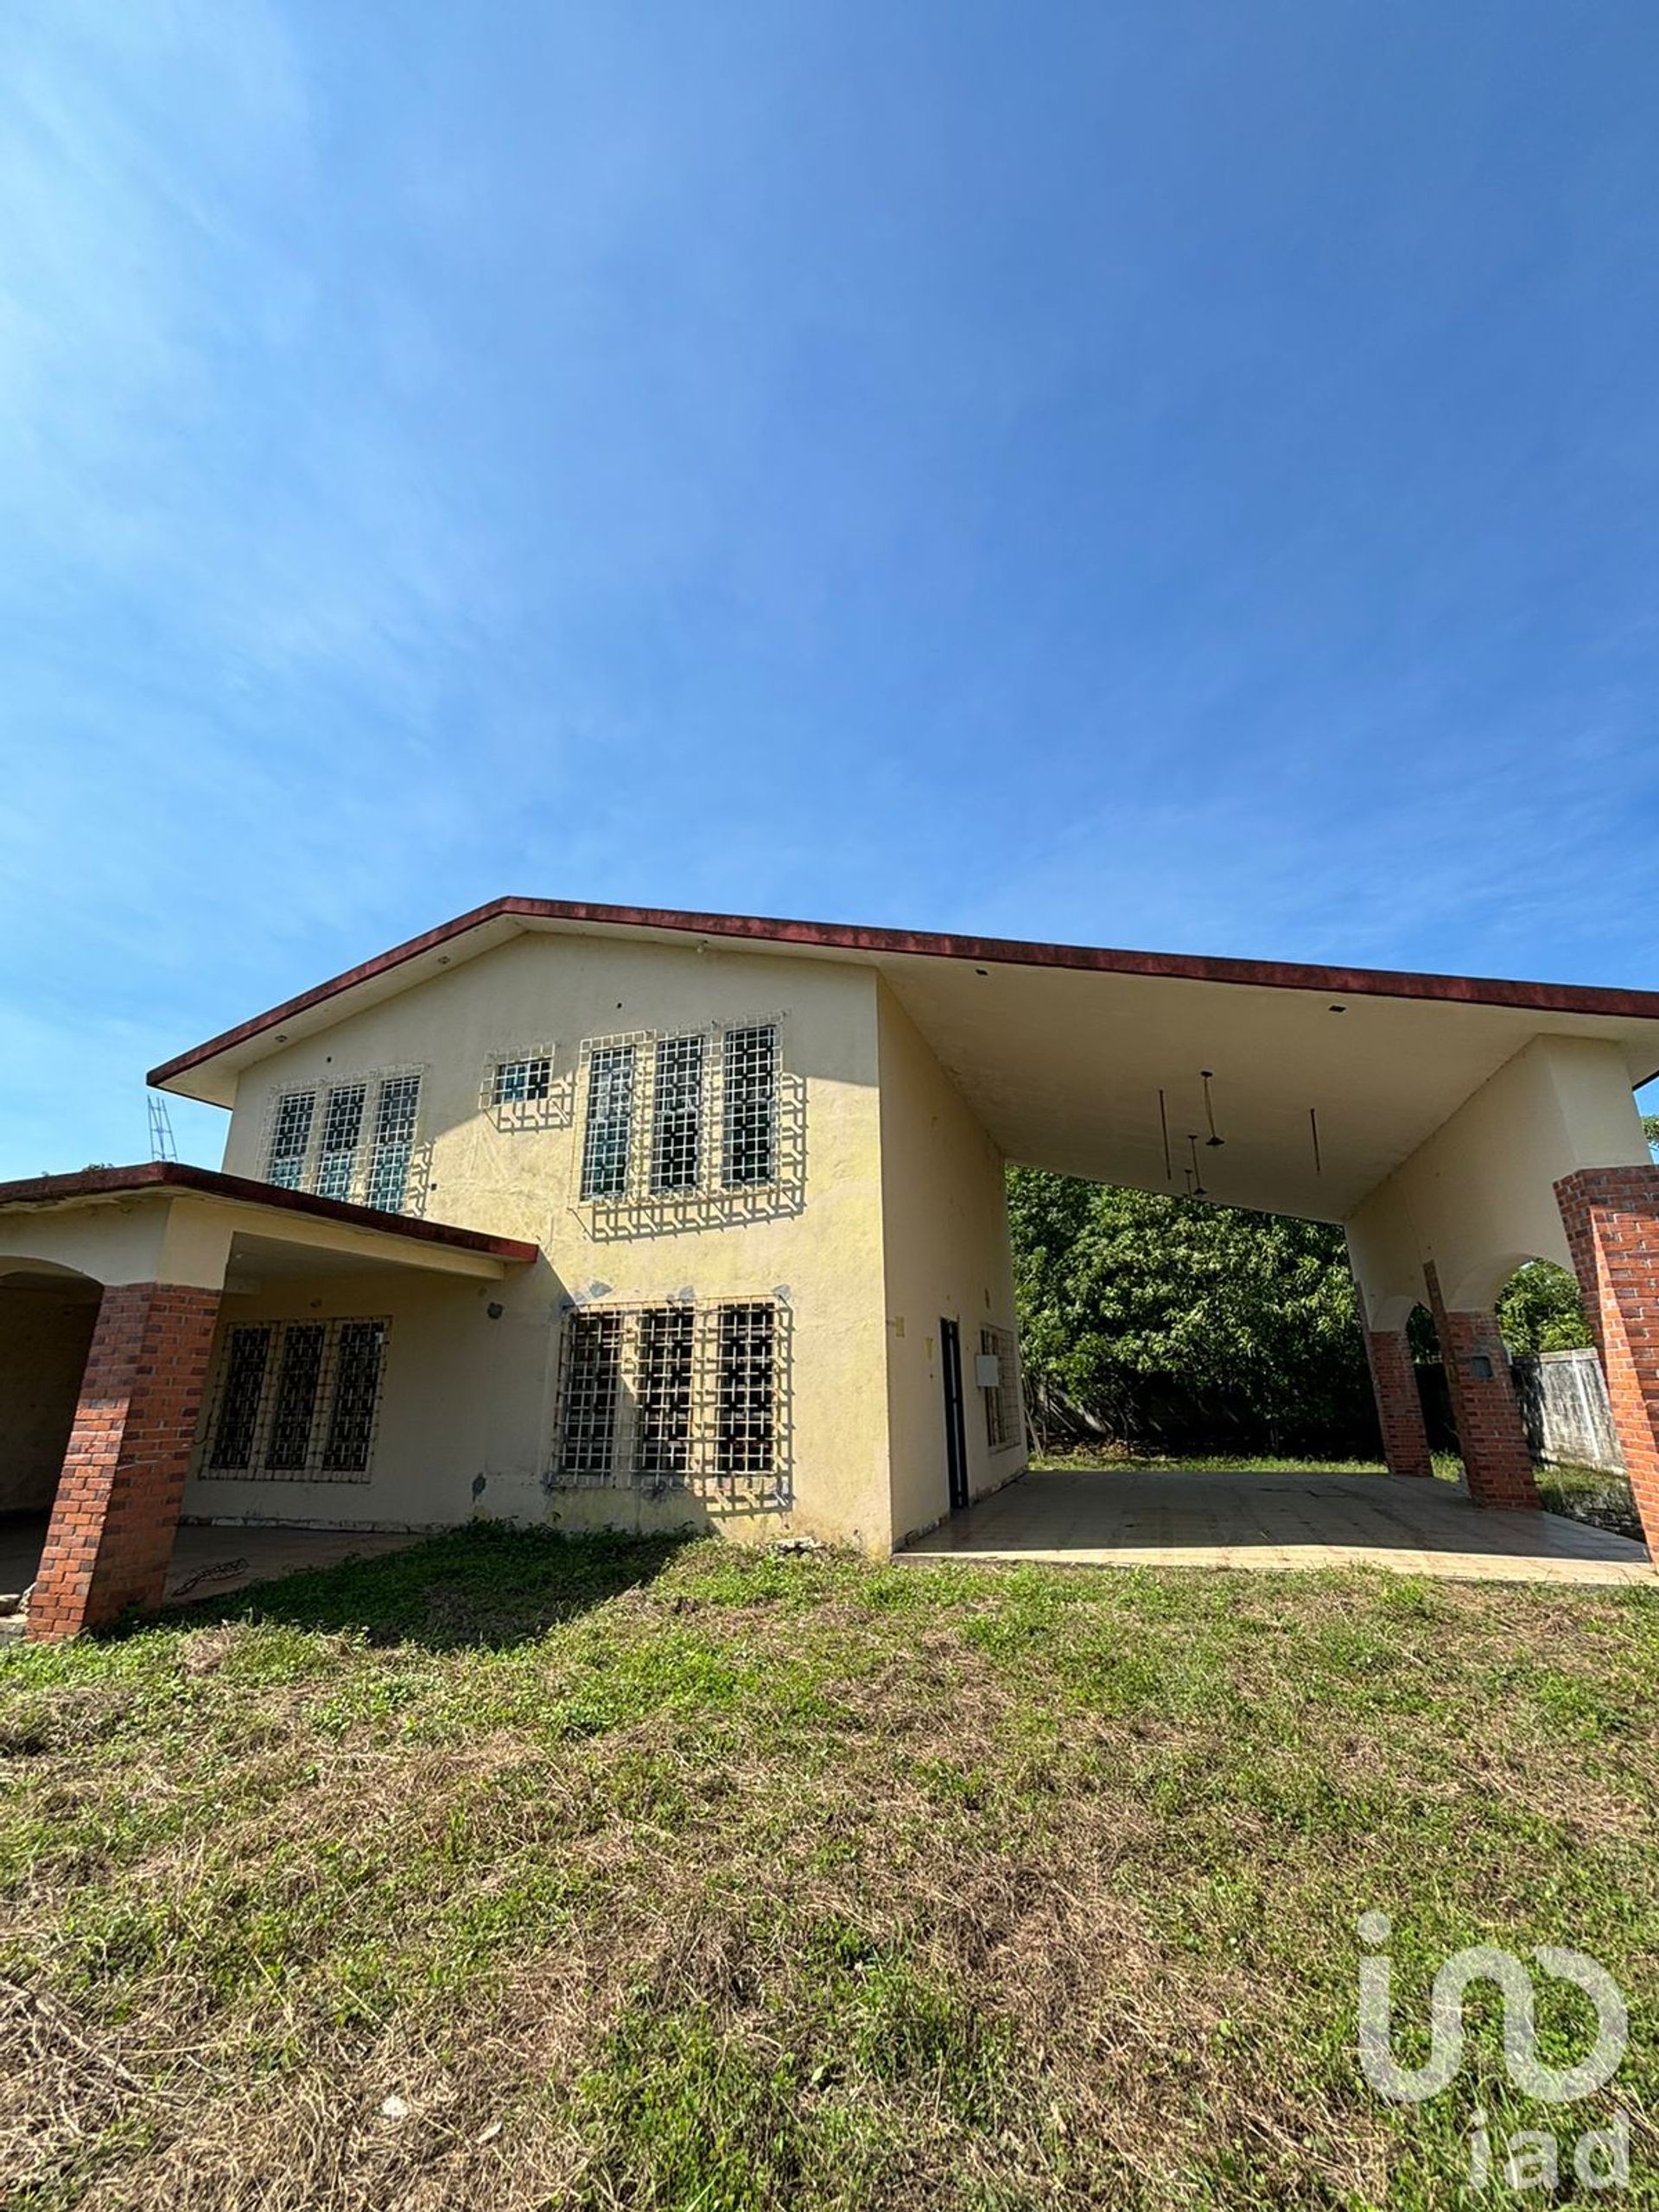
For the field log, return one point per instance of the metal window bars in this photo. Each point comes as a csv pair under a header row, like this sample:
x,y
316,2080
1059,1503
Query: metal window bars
x,y
296,1401
608,1137
699,1128
518,1082
322,1150
749,1099
396,1111
1004,1422
676,1114
290,1138
676,1396
342,1130
587,1398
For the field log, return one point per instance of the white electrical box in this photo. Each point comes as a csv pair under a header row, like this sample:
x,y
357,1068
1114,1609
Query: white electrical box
x,y
987,1371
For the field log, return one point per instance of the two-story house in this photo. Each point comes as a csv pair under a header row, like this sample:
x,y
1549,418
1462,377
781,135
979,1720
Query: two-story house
x,y
595,1217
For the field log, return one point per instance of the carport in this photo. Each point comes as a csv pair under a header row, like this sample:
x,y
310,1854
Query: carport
x,y
1455,1127
1182,1517
114,1287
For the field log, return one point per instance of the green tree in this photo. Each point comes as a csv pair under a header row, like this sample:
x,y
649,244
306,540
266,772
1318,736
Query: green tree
x,y
1167,1321
1539,1309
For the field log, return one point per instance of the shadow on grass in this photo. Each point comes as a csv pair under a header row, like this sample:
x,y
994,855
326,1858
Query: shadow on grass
x,y
485,1586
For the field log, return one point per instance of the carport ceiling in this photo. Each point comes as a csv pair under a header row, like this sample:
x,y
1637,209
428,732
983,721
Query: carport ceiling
x,y
1063,1069
1062,1051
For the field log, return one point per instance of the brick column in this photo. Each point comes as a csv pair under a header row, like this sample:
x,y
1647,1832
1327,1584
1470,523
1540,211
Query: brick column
x,y
1399,1402
1611,1218
1497,1463
112,1525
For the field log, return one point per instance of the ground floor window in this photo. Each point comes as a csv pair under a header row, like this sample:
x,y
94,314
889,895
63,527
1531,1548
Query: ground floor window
x,y
296,1401
999,1381
690,1394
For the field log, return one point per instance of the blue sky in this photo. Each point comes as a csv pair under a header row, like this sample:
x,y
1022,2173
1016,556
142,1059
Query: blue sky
x,y
1156,474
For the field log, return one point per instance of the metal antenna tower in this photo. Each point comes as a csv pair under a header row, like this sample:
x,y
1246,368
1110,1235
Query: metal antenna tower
x,y
161,1145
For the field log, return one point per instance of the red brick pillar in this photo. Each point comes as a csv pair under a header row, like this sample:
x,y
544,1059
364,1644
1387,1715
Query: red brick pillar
x,y
1399,1402
1497,1463
111,1531
1611,1218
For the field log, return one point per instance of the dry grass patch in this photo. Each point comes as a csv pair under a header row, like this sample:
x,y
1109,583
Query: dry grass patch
x,y
526,1873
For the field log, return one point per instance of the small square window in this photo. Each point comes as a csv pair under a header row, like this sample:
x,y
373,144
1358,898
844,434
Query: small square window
x,y
516,1083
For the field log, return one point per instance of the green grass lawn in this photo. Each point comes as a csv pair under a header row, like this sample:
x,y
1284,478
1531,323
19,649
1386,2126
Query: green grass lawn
x,y
512,1871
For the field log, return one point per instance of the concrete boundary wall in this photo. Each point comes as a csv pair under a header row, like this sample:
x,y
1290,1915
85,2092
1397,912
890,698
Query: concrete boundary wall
x,y
1564,1405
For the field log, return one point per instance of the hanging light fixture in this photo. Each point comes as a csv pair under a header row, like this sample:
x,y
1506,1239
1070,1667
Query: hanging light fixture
x,y
1198,1190
1209,1108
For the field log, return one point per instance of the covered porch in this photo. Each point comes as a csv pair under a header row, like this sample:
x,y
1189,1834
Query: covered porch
x,y
1214,1518
115,1285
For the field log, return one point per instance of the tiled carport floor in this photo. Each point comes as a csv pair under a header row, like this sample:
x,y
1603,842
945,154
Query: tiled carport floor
x,y
207,1561
1179,1518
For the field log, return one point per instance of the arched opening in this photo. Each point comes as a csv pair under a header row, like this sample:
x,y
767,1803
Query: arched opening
x,y
47,1317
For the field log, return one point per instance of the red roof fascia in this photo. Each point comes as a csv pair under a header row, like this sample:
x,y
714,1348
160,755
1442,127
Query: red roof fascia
x,y
838,937
179,1174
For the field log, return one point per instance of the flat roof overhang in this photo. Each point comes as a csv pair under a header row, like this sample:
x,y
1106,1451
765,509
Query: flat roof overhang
x,y
275,1231
1063,1052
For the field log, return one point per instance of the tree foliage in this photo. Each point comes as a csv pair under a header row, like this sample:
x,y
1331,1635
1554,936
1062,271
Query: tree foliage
x,y
1539,1309
1169,1323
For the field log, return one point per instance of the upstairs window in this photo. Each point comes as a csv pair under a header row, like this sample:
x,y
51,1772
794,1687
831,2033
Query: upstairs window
x,y
692,1126
290,1139
677,1114
342,1130
606,1140
519,1082
320,1137
751,1104
394,1142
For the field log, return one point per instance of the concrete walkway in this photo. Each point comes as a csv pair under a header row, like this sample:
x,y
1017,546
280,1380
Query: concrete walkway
x,y
1094,1517
208,1562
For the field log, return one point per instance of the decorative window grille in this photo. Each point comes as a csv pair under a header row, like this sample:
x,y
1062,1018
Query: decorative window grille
x,y
299,1378
610,1122
290,1138
342,1129
516,1083
677,1114
689,1395
296,1402
394,1142
1003,1423
744,1438
322,1150
592,1345
666,1360
751,1104
241,1393
360,1353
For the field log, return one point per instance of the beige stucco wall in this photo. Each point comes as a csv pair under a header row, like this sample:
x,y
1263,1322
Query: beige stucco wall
x,y
123,1240
945,1256
1478,1197
467,1396
43,1339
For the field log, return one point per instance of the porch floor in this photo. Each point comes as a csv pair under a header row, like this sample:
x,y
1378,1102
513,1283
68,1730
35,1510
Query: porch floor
x,y
207,1561
1178,1517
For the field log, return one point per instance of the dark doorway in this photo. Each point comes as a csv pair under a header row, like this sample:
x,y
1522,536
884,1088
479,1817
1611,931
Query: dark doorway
x,y
955,1437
